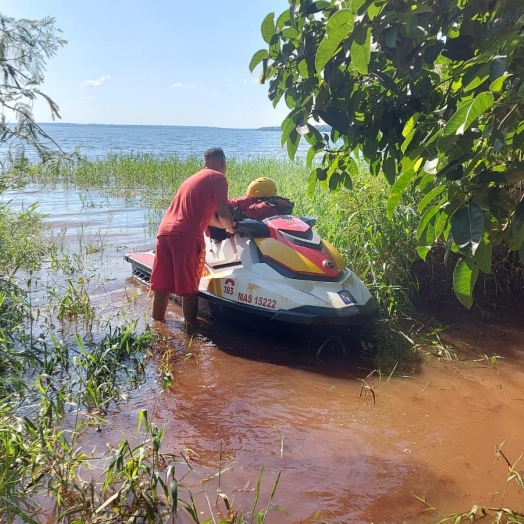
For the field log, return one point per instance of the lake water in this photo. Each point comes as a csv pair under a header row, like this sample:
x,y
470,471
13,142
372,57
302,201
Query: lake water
x,y
99,140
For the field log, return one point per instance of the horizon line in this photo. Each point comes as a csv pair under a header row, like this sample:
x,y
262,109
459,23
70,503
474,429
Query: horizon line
x,y
151,125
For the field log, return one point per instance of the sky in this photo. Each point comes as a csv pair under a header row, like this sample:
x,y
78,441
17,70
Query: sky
x,y
156,62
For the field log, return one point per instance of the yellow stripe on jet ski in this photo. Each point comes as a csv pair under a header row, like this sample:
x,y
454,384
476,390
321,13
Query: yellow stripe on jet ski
x,y
286,256
333,253
214,287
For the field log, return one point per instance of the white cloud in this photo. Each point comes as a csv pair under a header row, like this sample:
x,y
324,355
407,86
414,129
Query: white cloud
x,y
180,85
95,83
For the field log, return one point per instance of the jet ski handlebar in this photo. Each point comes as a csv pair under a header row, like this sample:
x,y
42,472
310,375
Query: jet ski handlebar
x,y
252,228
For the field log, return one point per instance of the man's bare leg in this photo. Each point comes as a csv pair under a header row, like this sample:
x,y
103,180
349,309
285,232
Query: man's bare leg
x,y
190,308
160,301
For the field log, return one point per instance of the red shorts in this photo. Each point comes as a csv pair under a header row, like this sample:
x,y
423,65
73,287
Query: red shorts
x,y
179,261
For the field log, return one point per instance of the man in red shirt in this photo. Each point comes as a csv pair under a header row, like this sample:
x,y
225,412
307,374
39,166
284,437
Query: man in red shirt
x,y
180,250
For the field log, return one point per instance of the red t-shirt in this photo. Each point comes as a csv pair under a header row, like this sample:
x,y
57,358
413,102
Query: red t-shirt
x,y
194,204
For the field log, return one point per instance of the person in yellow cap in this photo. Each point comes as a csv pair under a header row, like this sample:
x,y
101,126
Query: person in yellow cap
x,y
262,187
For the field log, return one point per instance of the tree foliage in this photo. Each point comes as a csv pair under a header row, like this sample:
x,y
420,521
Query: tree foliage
x,y
430,93
25,45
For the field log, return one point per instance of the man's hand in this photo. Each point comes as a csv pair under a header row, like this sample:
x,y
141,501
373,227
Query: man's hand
x,y
226,219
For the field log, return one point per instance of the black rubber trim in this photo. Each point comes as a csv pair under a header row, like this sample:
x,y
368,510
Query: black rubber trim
x,y
351,315
228,264
312,242
136,265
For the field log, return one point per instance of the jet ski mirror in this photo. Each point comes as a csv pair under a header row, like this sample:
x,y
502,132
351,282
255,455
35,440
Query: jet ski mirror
x,y
252,228
310,221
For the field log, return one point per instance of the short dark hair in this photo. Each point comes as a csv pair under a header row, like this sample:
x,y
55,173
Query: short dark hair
x,y
215,153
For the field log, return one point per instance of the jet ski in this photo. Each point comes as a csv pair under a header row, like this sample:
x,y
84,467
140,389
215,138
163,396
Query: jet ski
x,y
278,268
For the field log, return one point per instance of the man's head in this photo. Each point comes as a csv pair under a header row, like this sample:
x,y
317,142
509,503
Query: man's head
x,y
214,158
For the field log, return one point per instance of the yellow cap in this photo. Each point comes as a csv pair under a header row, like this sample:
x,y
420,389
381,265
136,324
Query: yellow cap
x,y
262,187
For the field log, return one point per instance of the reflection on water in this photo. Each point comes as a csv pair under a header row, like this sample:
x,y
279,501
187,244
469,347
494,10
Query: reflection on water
x,y
250,401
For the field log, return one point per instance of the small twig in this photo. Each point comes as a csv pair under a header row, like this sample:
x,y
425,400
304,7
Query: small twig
x,y
479,406
500,127
424,501
424,388
392,371
508,511
364,389
281,442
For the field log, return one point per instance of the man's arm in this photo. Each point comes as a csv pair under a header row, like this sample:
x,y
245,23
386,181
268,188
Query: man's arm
x,y
215,221
225,219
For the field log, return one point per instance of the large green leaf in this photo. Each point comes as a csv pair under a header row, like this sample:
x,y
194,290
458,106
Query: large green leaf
x,y
268,27
412,26
287,126
352,167
459,48
356,5
361,49
422,247
497,67
398,189
390,169
410,124
467,113
312,184
336,118
292,144
257,58
467,227
338,28
435,192
425,220
464,278
484,253
312,152
334,180
320,5
447,211
497,85
290,32
516,234
314,137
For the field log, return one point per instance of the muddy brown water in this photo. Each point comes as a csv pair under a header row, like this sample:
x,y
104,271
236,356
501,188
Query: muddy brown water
x,y
349,447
